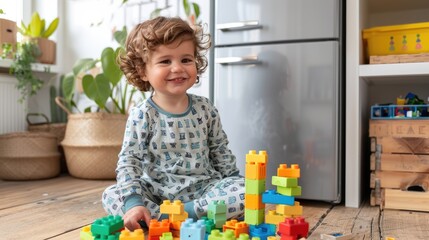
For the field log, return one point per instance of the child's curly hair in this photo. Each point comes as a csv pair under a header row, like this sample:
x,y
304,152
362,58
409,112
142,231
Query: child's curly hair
x,y
146,36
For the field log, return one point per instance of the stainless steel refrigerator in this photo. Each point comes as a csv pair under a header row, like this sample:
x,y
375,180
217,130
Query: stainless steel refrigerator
x,y
277,84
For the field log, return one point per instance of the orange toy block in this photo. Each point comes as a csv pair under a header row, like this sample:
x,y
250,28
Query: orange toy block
x,y
175,225
292,172
236,226
255,170
157,228
135,235
274,218
287,210
175,207
262,157
253,201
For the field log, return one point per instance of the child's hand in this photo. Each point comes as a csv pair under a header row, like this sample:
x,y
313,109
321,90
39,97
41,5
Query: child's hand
x,y
134,215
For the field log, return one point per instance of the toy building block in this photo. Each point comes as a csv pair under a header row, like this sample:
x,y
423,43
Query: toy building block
x,y
272,197
217,235
284,181
253,201
85,233
175,225
274,218
178,217
134,235
107,225
336,236
262,157
254,217
175,207
191,230
210,225
217,206
156,228
236,226
390,238
255,170
272,238
263,231
254,186
295,227
292,172
166,236
286,210
290,191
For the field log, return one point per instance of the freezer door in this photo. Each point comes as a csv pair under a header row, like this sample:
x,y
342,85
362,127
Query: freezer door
x,y
250,21
283,98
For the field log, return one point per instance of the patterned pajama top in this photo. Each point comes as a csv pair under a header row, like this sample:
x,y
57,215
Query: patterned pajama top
x,y
172,156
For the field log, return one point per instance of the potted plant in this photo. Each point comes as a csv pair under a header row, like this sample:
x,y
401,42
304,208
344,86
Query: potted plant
x,y
94,136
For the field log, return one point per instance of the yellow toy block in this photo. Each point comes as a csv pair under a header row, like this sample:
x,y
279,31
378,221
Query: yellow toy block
x,y
178,217
292,172
175,207
85,233
272,238
262,157
294,211
274,218
253,201
134,235
255,170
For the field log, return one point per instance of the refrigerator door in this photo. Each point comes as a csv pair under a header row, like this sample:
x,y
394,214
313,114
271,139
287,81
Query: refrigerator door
x,y
250,21
283,98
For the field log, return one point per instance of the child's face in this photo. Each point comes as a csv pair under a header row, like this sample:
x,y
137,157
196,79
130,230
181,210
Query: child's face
x,y
171,69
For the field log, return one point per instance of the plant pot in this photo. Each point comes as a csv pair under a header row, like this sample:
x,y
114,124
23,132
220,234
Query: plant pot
x,y
92,143
48,50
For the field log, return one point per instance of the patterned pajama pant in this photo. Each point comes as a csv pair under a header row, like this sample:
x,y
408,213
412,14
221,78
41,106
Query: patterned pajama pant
x,y
230,189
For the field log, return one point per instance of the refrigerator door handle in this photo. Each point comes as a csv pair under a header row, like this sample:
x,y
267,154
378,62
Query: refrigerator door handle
x,y
239,26
248,60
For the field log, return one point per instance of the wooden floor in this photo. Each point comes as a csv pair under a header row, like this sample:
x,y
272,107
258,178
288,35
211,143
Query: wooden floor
x,y
57,208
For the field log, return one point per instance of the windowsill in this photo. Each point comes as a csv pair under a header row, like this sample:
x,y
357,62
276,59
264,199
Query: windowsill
x,y
37,67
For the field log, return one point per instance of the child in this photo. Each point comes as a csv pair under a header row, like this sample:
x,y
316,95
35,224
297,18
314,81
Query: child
x,y
174,146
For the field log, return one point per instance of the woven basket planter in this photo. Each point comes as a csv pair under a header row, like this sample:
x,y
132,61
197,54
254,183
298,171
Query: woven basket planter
x,y
28,156
92,143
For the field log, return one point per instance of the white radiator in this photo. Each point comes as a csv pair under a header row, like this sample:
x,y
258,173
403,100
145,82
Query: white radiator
x,y
12,112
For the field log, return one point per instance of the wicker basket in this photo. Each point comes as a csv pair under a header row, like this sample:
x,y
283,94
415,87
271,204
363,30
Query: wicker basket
x,y
58,129
28,156
92,143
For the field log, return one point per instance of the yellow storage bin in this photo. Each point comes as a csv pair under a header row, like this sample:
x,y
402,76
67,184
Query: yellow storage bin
x,y
398,39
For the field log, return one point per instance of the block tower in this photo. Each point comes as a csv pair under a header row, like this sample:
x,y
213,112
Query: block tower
x,y
255,178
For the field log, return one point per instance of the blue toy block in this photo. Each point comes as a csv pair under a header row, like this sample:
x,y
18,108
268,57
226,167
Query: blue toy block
x,y
191,230
263,231
272,197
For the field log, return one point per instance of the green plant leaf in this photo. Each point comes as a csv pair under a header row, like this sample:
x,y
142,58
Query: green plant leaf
x,y
35,25
110,68
51,29
121,36
83,65
68,86
196,10
186,7
155,13
97,89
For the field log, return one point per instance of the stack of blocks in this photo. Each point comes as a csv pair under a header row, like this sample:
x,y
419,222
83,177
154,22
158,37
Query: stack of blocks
x,y
110,228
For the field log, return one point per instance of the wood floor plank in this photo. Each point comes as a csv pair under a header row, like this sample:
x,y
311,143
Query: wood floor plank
x,y
23,192
51,217
404,224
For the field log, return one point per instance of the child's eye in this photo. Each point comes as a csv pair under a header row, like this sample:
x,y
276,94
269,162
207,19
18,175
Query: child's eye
x,y
187,60
165,61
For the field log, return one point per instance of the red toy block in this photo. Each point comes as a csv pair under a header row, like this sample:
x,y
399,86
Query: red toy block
x,y
294,227
262,157
292,172
255,170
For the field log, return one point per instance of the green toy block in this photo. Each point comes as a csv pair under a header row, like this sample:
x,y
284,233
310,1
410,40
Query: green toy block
x,y
243,236
107,225
85,233
166,236
217,206
217,235
254,217
254,186
284,181
290,191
